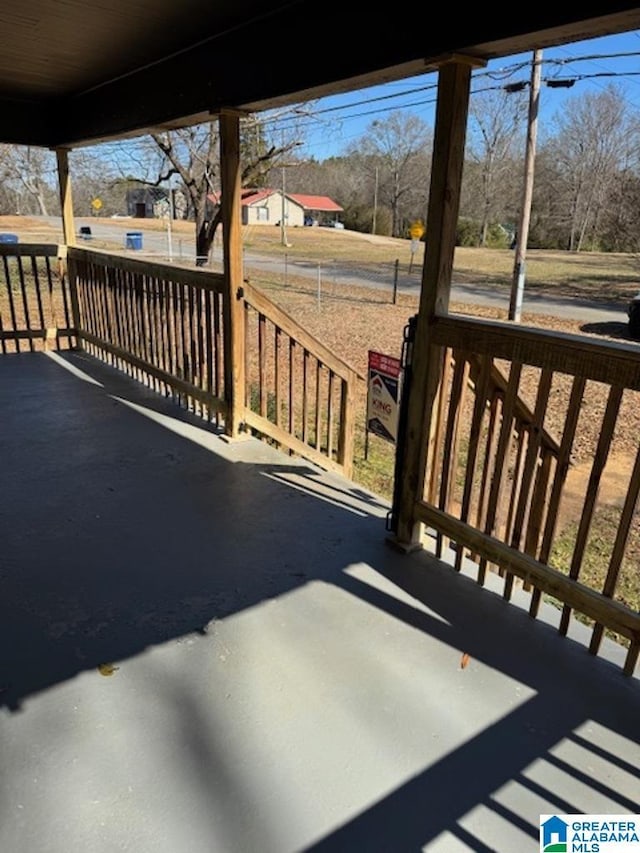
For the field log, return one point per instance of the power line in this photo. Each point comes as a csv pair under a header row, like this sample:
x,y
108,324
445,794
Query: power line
x,y
493,74
489,74
507,71
551,82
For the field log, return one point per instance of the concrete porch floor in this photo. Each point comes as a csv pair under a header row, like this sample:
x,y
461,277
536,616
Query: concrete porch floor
x,y
282,680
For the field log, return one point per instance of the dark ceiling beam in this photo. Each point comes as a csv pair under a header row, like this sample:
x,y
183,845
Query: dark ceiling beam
x,y
299,50
25,123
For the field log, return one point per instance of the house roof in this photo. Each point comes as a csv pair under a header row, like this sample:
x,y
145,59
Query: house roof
x,y
307,202
250,197
316,202
77,72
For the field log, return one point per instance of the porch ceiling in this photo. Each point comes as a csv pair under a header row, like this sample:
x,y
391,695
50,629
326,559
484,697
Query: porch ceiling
x,y
75,72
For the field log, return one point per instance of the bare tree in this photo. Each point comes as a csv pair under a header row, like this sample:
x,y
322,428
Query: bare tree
x,y
94,178
619,225
192,154
495,122
399,147
592,146
31,174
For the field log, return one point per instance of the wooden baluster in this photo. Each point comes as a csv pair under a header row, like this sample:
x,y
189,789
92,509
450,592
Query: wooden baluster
x,y
619,546
479,409
504,442
599,461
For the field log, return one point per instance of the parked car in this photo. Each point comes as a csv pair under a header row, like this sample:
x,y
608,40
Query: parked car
x,y
634,317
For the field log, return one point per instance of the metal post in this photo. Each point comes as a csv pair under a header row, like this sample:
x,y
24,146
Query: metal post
x,y
406,358
395,281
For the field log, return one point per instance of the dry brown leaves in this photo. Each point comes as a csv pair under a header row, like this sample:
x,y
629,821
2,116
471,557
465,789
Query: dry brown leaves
x,y
352,322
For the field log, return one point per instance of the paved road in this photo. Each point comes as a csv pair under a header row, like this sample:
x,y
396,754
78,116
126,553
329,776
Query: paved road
x,y
610,314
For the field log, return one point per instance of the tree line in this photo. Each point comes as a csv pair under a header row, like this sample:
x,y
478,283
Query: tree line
x,y
586,188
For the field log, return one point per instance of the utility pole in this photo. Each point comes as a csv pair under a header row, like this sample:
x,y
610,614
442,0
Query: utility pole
x,y
283,227
522,235
170,223
375,204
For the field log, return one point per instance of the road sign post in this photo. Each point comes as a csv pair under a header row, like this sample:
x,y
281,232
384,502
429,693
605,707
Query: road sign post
x,y
416,232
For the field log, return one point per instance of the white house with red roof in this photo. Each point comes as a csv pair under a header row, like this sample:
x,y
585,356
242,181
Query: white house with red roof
x,y
268,206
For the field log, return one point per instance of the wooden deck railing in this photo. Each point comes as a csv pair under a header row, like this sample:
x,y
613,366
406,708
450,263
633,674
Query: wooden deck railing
x,y
159,323
468,473
299,394
35,299
497,478
165,326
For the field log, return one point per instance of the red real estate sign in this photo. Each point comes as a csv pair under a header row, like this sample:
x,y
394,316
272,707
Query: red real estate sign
x,y
383,395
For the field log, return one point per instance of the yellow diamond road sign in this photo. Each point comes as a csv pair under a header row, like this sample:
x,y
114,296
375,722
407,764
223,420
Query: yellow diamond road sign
x,y
416,231
96,204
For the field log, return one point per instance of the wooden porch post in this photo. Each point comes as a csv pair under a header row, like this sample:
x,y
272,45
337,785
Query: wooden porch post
x,y
454,83
66,201
234,352
69,236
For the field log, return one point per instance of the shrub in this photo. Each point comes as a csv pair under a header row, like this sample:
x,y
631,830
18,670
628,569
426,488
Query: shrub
x,y
467,233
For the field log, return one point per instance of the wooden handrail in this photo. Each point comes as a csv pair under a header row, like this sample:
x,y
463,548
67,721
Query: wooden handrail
x,y
40,250
204,279
608,362
617,616
291,327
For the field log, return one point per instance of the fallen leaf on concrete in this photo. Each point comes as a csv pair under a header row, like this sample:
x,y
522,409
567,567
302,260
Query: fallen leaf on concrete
x,y
465,660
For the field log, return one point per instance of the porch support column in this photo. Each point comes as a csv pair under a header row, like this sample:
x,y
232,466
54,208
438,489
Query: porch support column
x,y
454,84
66,201
66,266
234,350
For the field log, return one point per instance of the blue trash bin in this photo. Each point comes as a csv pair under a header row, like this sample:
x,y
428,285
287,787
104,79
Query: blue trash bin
x,y
8,238
133,240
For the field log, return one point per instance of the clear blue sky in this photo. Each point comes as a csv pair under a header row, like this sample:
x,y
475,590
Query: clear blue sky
x,y
594,64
